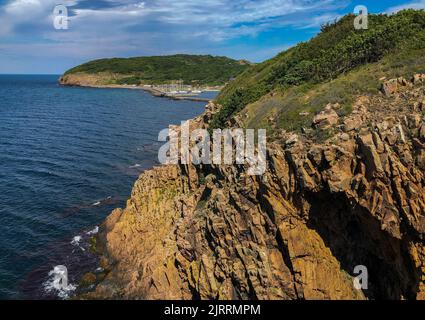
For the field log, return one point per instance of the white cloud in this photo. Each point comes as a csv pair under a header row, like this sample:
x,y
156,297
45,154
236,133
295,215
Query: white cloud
x,y
411,5
19,7
125,27
221,19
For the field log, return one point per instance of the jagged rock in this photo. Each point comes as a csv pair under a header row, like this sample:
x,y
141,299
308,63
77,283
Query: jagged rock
x,y
402,81
422,131
390,87
420,159
293,139
413,120
419,106
326,118
296,232
352,123
418,78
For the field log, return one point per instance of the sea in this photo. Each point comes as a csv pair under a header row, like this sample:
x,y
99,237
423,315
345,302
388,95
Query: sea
x,y
68,157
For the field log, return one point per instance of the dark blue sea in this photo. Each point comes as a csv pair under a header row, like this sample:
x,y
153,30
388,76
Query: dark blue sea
x,y
68,156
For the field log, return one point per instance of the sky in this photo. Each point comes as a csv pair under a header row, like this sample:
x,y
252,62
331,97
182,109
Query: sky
x,y
255,30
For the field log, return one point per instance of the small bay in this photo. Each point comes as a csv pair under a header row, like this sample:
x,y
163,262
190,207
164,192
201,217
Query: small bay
x,y
68,156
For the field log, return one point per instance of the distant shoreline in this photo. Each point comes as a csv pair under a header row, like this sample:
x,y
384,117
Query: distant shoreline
x,y
152,91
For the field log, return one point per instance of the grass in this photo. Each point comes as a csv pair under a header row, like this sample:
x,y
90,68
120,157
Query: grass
x,y
285,106
334,66
192,69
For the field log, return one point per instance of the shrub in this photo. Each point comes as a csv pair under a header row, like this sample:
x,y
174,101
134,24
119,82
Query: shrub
x,y
338,49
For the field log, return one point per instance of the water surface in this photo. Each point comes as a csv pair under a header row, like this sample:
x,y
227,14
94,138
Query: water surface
x,y
68,156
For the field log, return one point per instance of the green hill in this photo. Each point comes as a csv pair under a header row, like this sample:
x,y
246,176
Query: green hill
x,y
335,66
199,69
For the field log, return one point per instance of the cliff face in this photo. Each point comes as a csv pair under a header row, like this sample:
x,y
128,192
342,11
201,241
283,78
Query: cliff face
x,y
81,79
296,232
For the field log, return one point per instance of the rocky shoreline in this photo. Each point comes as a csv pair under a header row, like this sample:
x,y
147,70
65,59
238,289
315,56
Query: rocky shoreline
x,y
96,82
297,232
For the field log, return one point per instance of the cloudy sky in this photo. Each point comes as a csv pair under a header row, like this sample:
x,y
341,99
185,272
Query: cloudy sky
x,y
251,29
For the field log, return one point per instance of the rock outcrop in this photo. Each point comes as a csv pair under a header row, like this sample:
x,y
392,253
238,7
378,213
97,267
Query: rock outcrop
x,y
81,79
326,118
296,232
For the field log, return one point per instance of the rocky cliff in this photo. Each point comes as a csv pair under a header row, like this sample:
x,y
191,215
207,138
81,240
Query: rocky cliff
x,y
81,79
298,231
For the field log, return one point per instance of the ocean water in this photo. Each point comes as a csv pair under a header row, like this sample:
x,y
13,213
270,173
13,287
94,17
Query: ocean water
x,y
68,156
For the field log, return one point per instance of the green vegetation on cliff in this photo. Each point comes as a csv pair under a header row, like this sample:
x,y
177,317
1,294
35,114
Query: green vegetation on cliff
x,y
199,69
339,63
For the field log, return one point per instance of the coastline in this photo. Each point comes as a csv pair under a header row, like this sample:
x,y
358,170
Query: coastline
x,y
189,232
78,213
161,178
152,91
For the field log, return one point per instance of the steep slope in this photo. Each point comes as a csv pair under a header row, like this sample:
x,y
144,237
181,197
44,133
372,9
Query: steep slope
x,y
344,186
335,66
297,232
192,69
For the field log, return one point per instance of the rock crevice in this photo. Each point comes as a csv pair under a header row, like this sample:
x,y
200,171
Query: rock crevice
x,y
296,232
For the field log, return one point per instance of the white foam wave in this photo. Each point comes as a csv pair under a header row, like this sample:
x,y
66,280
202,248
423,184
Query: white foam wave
x,y
76,240
58,283
135,166
93,232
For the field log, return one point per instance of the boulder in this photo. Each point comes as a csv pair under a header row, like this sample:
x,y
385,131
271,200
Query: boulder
x,y
326,118
352,123
390,87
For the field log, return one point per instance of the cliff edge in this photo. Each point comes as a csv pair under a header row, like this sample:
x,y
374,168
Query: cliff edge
x,y
298,231
343,190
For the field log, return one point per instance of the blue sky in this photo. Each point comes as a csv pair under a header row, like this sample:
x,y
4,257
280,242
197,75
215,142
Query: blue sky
x,y
250,29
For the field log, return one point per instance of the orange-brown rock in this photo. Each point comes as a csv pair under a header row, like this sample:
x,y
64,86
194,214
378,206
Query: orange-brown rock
x,y
326,118
296,232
